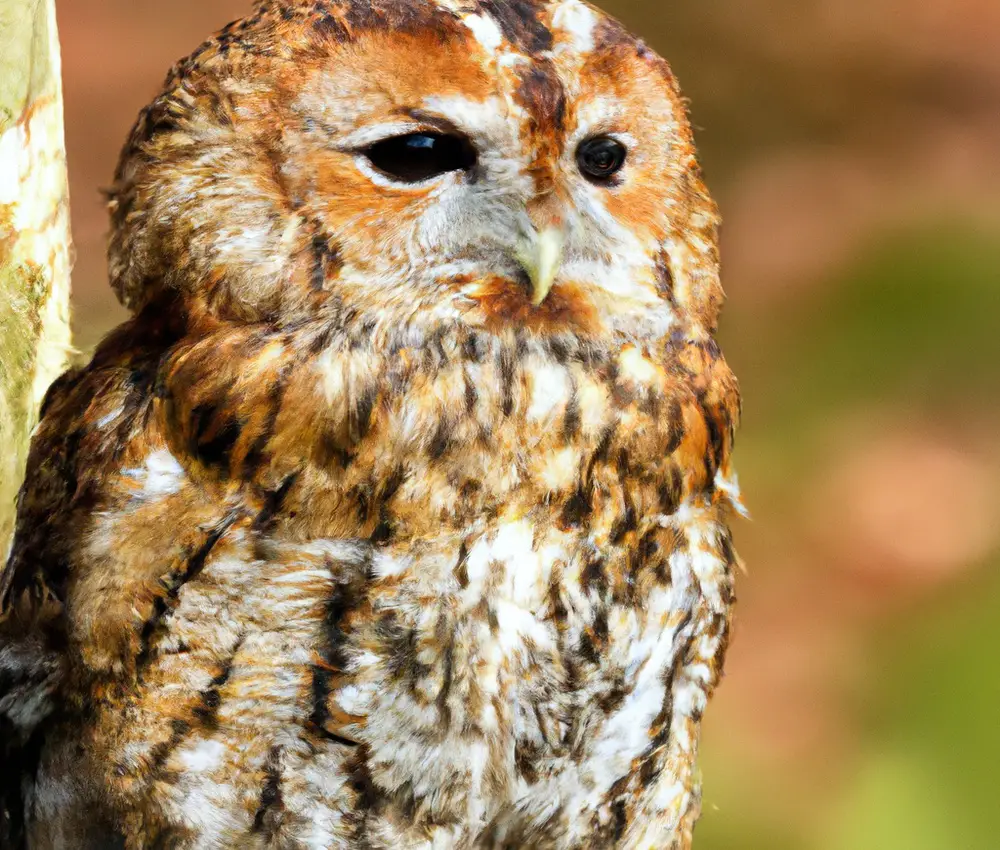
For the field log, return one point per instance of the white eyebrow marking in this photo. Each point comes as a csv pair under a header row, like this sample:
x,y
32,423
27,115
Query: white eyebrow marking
x,y
577,21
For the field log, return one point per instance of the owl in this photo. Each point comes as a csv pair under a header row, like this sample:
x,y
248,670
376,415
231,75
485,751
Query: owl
x,y
396,516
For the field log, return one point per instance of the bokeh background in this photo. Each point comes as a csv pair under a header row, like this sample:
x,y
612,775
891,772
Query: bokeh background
x,y
854,146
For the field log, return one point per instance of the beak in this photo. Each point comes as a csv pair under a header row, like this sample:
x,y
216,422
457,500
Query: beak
x,y
541,257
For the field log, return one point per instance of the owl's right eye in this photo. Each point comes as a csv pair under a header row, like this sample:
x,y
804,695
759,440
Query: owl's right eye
x,y
421,156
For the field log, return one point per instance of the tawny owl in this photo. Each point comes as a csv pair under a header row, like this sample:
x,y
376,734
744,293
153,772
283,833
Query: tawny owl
x,y
396,516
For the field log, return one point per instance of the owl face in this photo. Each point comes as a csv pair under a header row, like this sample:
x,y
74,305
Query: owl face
x,y
496,163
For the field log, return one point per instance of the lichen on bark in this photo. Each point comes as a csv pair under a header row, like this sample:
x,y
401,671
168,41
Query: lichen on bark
x,y
34,232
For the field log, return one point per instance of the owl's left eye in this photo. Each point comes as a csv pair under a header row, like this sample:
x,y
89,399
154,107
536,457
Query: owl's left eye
x,y
420,156
601,158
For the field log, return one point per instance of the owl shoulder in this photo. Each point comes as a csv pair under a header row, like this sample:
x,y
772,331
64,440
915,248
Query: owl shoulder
x,y
87,418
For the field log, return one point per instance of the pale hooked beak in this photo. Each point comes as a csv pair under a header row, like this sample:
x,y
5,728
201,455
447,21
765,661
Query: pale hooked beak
x,y
541,257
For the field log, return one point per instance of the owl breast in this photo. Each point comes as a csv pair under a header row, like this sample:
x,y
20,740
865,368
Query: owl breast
x,y
459,586
445,581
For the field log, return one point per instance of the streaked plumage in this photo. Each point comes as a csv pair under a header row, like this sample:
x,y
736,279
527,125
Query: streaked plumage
x,y
342,542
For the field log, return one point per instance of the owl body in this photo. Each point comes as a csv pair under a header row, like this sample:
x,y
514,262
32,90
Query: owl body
x,y
377,526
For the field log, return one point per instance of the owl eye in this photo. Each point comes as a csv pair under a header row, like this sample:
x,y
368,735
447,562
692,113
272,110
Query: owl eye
x,y
420,156
601,158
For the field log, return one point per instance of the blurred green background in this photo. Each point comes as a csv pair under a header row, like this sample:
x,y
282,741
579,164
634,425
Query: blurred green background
x,y
854,146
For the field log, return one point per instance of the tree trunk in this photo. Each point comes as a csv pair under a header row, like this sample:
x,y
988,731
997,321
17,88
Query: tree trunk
x,y
34,233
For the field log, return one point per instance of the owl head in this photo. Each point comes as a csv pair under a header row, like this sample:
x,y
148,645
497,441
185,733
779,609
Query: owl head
x,y
490,162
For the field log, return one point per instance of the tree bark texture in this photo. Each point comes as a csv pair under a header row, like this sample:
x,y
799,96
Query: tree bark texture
x,y
34,233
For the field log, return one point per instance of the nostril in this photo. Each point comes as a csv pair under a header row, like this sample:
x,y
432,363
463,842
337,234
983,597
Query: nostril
x,y
545,212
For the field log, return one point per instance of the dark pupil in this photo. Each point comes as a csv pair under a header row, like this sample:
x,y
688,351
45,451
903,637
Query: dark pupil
x,y
420,156
602,157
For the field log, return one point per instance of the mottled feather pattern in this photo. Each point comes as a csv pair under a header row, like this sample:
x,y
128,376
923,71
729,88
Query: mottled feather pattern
x,y
341,541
